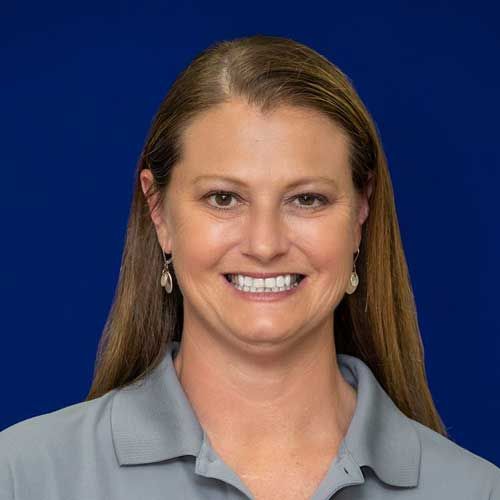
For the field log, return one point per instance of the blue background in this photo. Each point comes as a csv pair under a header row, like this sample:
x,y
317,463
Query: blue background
x,y
80,85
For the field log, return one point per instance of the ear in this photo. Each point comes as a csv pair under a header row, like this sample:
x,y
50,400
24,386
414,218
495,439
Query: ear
x,y
363,209
155,210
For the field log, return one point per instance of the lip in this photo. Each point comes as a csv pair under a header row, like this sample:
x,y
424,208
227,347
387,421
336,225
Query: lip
x,y
265,296
262,275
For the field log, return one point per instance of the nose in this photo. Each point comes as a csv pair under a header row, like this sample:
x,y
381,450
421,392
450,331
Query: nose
x,y
266,234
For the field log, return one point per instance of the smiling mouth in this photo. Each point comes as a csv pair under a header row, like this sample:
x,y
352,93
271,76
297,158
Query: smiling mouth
x,y
300,277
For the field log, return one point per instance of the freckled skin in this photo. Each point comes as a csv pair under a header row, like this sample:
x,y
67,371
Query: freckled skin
x,y
248,367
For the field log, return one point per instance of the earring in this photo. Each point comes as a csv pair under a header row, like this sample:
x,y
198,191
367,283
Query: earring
x,y
354,280
166,277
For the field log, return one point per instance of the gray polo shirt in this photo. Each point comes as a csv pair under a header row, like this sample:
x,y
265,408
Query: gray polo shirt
x,y
145,442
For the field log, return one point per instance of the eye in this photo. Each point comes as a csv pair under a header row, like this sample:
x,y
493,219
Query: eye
x,y
222,197
311,196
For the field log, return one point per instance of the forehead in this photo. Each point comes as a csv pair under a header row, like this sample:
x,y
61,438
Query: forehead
x,y
238,138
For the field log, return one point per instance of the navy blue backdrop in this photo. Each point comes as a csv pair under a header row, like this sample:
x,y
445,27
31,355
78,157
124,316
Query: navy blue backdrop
x,y
80,85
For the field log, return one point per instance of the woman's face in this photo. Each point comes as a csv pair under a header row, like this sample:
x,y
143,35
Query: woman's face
x,y
264,223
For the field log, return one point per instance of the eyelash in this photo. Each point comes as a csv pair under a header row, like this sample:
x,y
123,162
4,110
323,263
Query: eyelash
x,y
323,199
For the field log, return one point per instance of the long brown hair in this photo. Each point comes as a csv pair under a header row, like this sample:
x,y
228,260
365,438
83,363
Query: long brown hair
x,y
378,323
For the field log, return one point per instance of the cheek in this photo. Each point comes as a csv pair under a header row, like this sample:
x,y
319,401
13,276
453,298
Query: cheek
x,y
198,231
334,263
197,244
331,254
331,242
334,267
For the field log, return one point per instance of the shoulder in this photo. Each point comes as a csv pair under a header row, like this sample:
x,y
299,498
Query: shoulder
x,y
38,445
444,461
54,427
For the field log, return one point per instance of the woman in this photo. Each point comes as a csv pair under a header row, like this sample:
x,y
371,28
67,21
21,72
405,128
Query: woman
x,y
282,357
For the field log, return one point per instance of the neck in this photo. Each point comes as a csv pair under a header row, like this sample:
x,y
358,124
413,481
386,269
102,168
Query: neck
x,y
292,401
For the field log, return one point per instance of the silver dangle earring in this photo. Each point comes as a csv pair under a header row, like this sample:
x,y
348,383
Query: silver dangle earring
x,y
166,277
354,280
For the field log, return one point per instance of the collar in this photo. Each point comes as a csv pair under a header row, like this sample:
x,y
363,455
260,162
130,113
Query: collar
x,y
152,420
379,436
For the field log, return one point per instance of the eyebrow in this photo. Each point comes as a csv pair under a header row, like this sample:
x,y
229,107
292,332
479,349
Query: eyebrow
x,y
297,182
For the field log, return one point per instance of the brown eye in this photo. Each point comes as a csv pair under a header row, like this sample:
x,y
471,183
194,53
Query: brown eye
x,y
222,199
311,197
306,197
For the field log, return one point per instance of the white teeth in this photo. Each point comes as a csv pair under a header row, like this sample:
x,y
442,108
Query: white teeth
x,y
273,283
